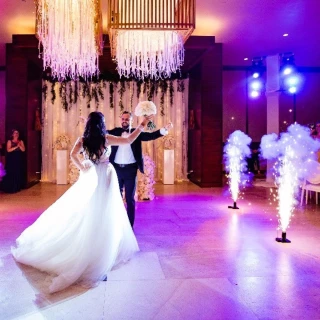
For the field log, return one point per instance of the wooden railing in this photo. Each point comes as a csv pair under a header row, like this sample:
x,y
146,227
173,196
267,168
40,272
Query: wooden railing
x,y
152,15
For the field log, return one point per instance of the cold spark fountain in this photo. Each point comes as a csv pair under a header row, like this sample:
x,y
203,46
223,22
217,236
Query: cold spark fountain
x,y
235,152
294,151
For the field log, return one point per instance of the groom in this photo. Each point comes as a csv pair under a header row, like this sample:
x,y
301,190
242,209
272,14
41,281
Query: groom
x,y
128,158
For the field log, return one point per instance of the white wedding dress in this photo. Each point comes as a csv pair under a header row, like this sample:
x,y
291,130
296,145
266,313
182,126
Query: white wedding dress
x,y
84,234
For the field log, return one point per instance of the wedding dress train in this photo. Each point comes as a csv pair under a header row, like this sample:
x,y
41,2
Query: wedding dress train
x,y
84,234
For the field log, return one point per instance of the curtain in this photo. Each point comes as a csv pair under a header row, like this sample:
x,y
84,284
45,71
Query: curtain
x,y
57,121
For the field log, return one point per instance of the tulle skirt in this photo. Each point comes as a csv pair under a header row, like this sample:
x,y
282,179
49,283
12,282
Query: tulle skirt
x,y
83,235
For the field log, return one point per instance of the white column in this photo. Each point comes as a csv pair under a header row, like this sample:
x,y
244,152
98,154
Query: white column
x,y
168,166
272,94
62,167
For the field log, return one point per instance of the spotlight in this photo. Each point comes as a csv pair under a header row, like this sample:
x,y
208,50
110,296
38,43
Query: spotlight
x,y
255,75
292,90
256,85
287,70
255,80
257,68
254,94
290,80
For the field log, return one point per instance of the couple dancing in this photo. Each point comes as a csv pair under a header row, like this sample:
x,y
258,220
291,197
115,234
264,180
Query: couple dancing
x,y
86,232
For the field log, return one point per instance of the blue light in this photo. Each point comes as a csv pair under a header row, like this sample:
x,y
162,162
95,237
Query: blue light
x,y
254,94
292,90
256,75
287,70
256,85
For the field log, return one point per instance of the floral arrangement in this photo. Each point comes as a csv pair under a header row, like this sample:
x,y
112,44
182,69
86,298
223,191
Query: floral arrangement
x,y
146,108
74,173
2,171
62,142
168,142
146,180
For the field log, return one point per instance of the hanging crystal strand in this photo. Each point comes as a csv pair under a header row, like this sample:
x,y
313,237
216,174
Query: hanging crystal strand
x,y
67,32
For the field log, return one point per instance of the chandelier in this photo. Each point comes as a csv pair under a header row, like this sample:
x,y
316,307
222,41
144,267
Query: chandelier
x,y
147,36
71,36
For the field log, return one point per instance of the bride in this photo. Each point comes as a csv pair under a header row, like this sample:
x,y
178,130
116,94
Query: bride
x,y
86,232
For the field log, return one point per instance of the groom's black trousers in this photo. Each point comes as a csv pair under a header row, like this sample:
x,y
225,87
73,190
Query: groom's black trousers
x,y
127,176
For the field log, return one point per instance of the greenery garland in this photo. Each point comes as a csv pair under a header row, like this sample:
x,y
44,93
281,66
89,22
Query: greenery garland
x,y
164,88
111,94
171,91
121,91
93,89
53,92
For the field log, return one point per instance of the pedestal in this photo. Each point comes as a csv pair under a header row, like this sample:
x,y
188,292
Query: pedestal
x,y
168,166
62,167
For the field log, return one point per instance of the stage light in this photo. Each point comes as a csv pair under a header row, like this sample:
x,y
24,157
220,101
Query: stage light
x,y
256,85
292,90
257,68
287,70
254,94
256,75
291,81
255,80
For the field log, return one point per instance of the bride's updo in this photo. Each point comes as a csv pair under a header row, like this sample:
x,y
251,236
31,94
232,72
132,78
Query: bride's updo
x,y
94,137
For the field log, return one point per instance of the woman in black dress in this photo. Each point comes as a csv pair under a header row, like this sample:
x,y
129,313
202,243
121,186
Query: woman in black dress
x,y
13,180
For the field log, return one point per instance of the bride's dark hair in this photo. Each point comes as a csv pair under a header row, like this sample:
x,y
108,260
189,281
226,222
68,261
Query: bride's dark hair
x,y
94,137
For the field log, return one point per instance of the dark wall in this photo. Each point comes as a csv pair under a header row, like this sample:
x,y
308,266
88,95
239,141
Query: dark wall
x,y
23,98
205,101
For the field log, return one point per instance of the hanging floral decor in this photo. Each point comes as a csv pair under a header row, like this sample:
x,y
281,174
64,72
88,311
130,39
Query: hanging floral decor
x,y
69,91
146,181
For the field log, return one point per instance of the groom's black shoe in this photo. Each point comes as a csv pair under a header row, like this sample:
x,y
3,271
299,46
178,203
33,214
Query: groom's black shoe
x,y
105,278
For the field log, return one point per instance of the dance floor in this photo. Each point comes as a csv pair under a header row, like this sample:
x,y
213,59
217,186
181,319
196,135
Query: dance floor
x,y
198,260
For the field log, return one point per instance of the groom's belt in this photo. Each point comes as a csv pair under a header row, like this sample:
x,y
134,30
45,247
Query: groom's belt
x,y
126,165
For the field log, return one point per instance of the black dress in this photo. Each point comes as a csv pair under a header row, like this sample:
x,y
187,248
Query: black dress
x,y
13,180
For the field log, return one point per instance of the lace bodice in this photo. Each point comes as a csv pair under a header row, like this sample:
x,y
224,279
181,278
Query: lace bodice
x,y
104,158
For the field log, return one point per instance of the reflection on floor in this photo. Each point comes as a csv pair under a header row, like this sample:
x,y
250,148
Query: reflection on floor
x,y
198,260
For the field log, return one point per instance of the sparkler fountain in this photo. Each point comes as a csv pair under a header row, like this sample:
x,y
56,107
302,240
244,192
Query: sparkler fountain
x,y
235,152
294,151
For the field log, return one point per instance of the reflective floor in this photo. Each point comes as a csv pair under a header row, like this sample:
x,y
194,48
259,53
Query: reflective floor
x,y
198,260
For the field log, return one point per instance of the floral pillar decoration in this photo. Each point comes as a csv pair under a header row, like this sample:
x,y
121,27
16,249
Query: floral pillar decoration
x,y
70,33
146,180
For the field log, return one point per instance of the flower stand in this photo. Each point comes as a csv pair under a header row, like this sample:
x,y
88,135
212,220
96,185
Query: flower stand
x,y
62,167
168,166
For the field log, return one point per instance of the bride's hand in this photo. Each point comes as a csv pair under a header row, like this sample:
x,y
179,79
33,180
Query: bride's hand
x,y
86,165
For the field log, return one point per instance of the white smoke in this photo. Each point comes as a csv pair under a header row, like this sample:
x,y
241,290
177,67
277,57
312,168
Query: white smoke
x,y
295,151
235,152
